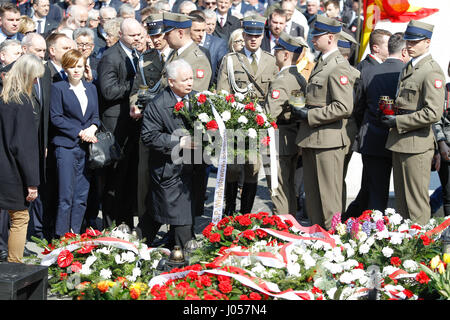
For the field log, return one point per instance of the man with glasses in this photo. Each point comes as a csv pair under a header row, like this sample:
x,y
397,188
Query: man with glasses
x,y
210,4
84,38
106,14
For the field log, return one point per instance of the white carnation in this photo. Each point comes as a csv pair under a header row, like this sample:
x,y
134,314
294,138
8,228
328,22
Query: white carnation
x,y
204,117
377,215
243,119
118,259
410,265
293,269
226,115
364,248
239,96
395,219
105,273
128,256
252,133
346,277
389,211
387,252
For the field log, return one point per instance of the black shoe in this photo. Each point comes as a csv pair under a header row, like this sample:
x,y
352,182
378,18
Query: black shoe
x,y
28,253
3,255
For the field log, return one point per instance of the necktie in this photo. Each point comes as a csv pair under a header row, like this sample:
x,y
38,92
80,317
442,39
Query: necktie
x,y
64,75
37,89
254,64
39,26
409,67
221,22
135,60
186,102
163,58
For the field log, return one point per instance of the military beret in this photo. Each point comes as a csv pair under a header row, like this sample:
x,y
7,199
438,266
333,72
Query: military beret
x,y
287,42
417,30
254,24
175,21
323,25
155,24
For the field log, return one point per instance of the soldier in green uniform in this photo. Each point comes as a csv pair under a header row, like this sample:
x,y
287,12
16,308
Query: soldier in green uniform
x,y
247,72
419,103
323,136
287,83
177,33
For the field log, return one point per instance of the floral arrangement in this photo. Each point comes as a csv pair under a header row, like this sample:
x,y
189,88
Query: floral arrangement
x,y
95,265
262,256
240,113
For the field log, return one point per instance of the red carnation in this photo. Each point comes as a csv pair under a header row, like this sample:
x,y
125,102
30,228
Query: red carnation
x,y
254,296
65,258
212,125
265,141
230,98
214,237
259,120
201,99
274,125
228,231
250,107
261,233
225,286
179,105
207,231
249,234
422,277
426,240
395,261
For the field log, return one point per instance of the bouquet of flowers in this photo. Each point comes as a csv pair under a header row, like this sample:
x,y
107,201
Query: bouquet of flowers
x,y
98,265
437,275
243,118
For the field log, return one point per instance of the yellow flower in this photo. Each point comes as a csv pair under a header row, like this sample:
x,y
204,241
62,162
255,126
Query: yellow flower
x,y
447,257
435,261
139,285
441,268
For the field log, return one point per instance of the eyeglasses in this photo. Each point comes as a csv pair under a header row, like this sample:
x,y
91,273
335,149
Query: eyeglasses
x,y
85,45
210,3
238,41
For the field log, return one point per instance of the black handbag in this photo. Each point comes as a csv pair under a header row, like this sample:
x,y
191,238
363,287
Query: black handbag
x,y
105,151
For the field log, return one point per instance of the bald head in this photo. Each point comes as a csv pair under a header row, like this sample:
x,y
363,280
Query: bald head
x,y
130,33
35,44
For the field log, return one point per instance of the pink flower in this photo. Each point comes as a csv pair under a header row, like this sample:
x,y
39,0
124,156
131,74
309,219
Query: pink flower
x,y
335,220
380,225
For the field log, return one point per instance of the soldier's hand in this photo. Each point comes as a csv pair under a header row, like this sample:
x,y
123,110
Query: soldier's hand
x,y
135,113
186,142
389,121
444,149
300,113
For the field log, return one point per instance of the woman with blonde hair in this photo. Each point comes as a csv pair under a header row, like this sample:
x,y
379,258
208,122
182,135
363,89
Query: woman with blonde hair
x,y
26,25
19,154
236,41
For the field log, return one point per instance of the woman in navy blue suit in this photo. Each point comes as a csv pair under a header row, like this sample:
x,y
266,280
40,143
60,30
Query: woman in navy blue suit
x,y
74,114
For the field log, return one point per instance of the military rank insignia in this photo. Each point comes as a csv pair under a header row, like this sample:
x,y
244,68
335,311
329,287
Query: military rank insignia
x,y
275,94
343,80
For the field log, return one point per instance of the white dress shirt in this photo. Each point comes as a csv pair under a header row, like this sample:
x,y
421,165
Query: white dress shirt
x,y
80,92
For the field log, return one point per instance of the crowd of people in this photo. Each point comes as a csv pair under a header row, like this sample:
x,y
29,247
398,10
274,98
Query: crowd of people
x,y
76,67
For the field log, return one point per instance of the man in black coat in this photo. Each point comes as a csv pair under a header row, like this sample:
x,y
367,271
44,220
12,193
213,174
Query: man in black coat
x,y
379,80
171,182
378,49
276,24
226,22
116,72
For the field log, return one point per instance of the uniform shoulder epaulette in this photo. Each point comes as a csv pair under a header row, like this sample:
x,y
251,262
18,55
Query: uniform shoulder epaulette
x,y
268,53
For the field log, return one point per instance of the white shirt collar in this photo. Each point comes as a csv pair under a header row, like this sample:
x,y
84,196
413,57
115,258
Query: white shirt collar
x,y
4,36
376,58
248,54
416,60
58,68
326,55
127,50
203,39
219,16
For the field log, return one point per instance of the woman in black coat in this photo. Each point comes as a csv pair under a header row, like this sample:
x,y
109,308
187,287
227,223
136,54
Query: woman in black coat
x,y
19,155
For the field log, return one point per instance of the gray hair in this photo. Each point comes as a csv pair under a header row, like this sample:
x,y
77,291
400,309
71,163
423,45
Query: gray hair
x,y
27,40
175,66
93,14
187,4
126,9
104,10
7,43
161,4
87,32
209,14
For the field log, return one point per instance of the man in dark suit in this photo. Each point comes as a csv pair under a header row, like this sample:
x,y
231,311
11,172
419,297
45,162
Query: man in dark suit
x,y
276,25
40,15
376,81
55,13
116,72
217,46
105,14
226,22
240,7
9,22
292,28
378,49
57,45
171,182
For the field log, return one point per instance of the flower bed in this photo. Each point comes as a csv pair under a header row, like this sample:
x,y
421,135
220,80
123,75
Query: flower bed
x,y
261,256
